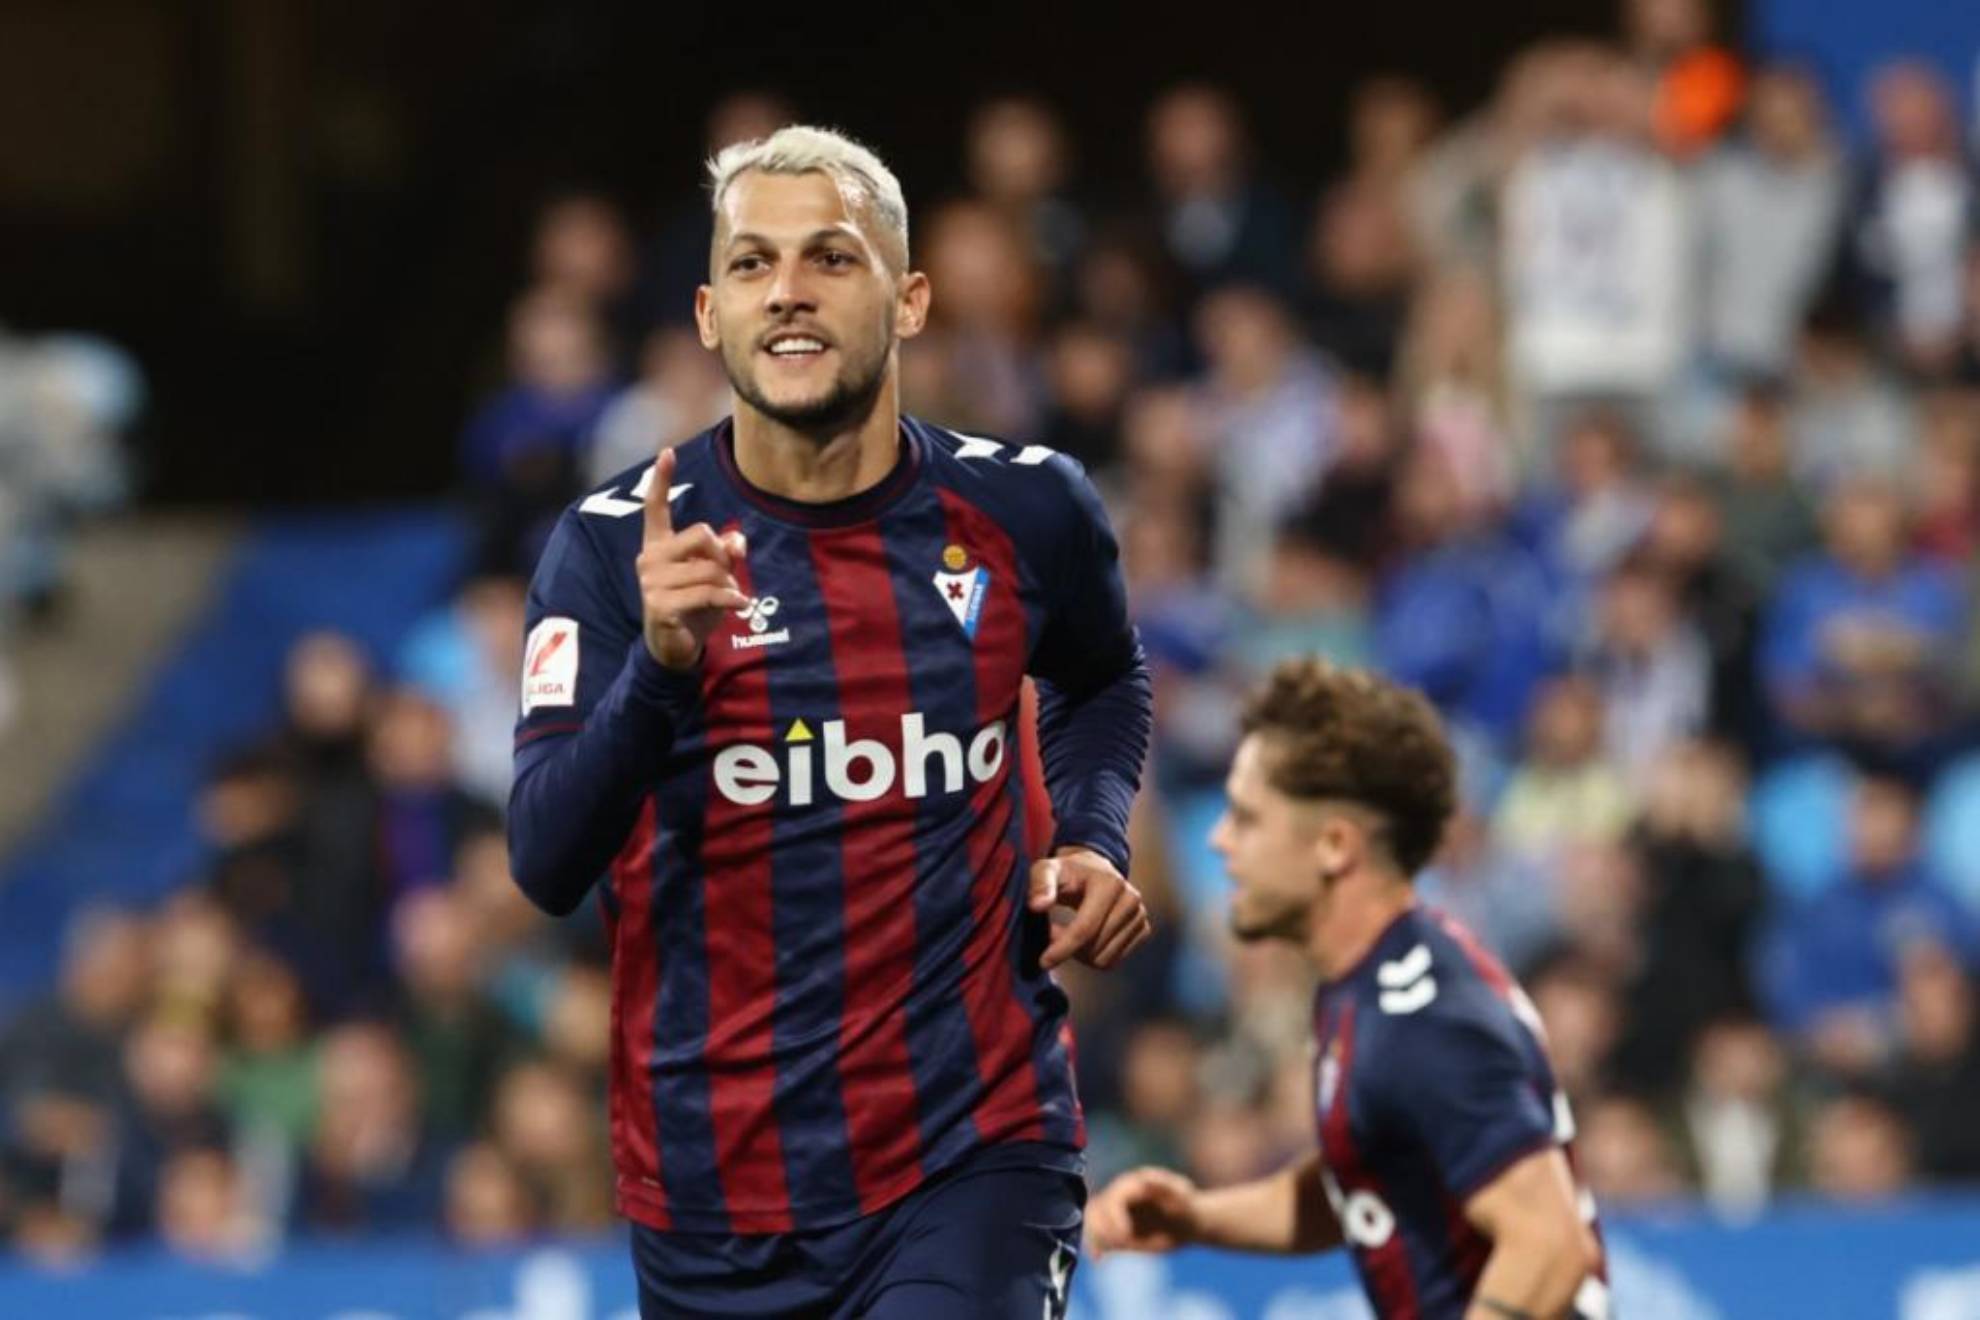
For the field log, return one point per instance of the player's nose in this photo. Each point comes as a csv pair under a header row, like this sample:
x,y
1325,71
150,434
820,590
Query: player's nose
x,y
1219,841
788,293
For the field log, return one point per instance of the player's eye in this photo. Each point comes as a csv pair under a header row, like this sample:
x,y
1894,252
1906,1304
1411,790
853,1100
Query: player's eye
x,y
747,263
834,259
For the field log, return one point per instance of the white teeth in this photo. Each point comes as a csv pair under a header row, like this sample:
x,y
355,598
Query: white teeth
x,y
787,346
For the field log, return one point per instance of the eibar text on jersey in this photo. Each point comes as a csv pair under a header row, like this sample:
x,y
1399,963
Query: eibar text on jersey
x,y
860,770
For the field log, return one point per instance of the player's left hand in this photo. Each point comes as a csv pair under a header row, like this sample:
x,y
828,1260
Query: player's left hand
x,y
1109,918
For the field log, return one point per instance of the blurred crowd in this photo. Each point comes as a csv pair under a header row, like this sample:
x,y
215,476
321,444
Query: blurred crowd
x,y
1633,415
69,404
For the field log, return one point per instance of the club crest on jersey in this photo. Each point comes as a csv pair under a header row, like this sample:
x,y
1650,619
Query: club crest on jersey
x,y
964,593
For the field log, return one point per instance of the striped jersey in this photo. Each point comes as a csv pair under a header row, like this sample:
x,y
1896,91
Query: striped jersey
x,y
825,982
1431,1078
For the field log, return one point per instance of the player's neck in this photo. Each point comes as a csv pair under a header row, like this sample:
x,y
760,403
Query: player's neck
x,y
1363,908
790,464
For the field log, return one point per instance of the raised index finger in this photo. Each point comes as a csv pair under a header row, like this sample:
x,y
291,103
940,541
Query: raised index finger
x,y
659,517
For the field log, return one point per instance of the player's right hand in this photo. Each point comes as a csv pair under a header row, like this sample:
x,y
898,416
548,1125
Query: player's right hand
x,y
1145,1209
686,578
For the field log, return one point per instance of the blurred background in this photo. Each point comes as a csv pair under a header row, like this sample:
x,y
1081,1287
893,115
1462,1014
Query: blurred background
x,y
1611,371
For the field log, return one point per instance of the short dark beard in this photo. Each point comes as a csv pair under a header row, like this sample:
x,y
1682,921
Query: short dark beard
x,y
844,406
848,403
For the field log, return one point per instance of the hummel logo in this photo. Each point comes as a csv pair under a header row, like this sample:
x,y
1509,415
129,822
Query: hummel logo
x,y
1405,982
757,614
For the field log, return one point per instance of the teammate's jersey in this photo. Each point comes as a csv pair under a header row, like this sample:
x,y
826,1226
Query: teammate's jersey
x,y
825,984
1431,1079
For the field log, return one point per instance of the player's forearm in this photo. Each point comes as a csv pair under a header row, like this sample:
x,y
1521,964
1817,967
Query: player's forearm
x,y
1534,1277
573,804
1093,745
1285,1214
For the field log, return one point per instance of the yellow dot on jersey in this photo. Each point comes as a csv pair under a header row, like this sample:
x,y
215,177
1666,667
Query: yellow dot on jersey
x,y
800,732
954,557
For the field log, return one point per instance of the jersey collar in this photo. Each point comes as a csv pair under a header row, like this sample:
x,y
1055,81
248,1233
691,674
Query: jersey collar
x,y
1381,947
862,507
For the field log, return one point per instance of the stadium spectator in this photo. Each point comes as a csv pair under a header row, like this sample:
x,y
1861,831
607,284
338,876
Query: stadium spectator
x,y
1583,1016
1858,1149
1089,372
1353,512
1625,1155
1018,160
541,1120
488,1203
1914,216
1358,269
1936,1080
1269,406
457,1041
1860,642
1161,1093
1651,666
1697,85
1769,212
422,811
1221,222
1507,899
1312,600
1850,415
1597,246
1738,1119
170,1062
468,660
1452,388
582,250
62,1090
1944,481
1120,286
1591,508
1703,903
1686,543
1831,972
678,390
65,1049
369,1166
522,449
203,1210
1465,612
976,364
267,1079
1563,792
1765,512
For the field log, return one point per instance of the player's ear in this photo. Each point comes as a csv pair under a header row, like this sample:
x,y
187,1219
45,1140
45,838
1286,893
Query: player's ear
x,y
1335,847
704,317
913,297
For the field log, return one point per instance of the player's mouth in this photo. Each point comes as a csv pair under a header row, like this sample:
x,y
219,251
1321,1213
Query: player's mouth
x,y
796,346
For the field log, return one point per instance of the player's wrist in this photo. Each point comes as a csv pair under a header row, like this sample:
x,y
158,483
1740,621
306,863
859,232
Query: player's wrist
x,y
677,657
656,683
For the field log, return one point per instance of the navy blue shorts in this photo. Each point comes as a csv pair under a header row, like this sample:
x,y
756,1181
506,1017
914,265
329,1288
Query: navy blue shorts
x,y
995,1237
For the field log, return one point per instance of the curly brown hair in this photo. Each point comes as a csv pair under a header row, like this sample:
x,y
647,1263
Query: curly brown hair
x,y
1354,735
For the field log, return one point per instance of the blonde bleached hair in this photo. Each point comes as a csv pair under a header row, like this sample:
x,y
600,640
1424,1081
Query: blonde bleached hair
x,y
863,179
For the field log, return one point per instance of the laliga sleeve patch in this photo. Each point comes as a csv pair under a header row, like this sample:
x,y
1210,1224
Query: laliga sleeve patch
x,y
550,664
